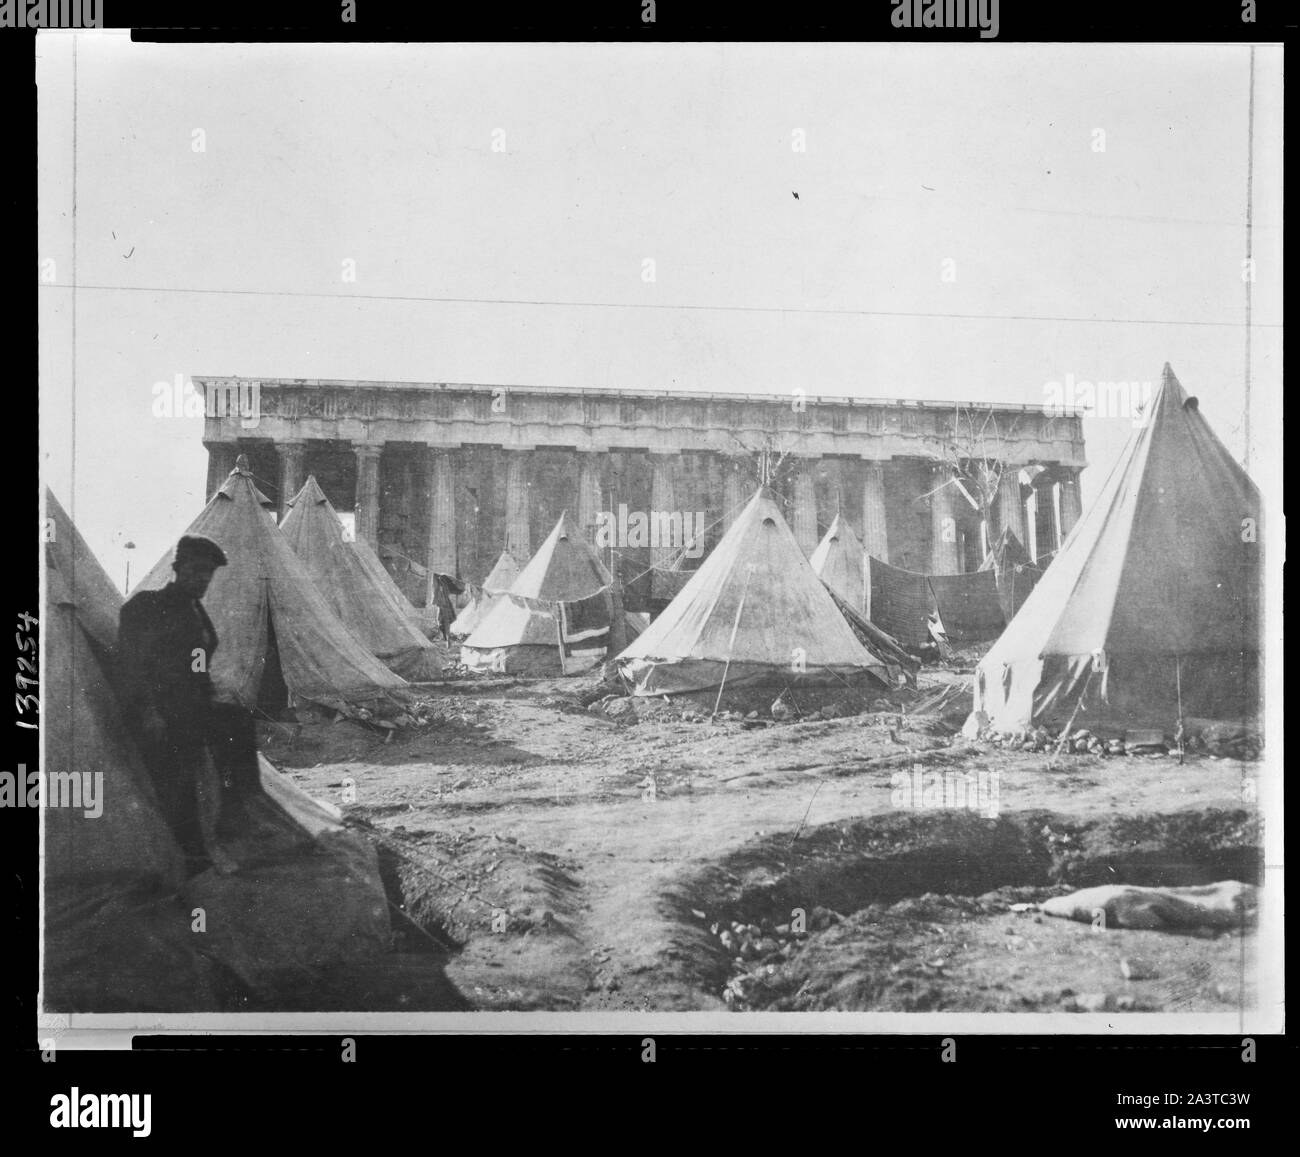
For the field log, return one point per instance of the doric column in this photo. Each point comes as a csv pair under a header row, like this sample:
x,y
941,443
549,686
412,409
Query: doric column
x,y
366,506
663,504
943,522
736,490
293,456
618,622
1011,507
875,535
518,535
1031,524
441,557
1071,500
1045,525
805,508
590,499
713,500
221,461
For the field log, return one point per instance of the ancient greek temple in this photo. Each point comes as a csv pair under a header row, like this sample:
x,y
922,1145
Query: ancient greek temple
x,y
441,477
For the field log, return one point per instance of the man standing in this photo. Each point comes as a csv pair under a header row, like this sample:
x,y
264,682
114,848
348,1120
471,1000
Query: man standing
x,y
441,590
165,646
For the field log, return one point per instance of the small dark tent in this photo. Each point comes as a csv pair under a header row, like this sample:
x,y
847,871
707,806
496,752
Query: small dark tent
x,y
1151,606
266,589
366,607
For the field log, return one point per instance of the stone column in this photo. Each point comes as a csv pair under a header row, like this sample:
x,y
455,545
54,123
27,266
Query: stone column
x,y
441,557
663,504
736,490
1011,508
875,535
1031,524
591,500
518,533
293,456
366,507
405,487
697,506
1045,529
618,623
713,499
943,523
1071,499
221,461
805,507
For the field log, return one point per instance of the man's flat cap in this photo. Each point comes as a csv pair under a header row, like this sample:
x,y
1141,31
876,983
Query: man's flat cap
x,y
198,546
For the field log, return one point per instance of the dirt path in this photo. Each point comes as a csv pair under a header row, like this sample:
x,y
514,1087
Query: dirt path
x,y
556,856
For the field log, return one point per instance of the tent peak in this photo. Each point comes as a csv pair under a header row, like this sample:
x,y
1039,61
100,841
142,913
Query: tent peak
x,y
311,492
230,488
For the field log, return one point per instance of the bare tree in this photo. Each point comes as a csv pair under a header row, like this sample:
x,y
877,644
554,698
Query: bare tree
x,y
974,451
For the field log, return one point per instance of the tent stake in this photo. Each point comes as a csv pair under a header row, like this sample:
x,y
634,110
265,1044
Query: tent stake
x,y
1178,681
559,638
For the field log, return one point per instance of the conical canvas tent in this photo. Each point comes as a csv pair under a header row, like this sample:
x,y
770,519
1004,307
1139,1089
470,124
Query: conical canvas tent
x,y
499,580
303,910
840,562
1151,606
83,725
366,607
380,577
1013,569
520,634
424,619
756,615
265,594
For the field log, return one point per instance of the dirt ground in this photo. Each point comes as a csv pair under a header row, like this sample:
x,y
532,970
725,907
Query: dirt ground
x,y
557,859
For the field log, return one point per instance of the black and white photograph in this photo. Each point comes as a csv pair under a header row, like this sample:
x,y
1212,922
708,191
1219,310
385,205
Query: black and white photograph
x,y
730,537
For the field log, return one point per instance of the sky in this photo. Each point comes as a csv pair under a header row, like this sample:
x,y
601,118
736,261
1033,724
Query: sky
x,y
957,232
